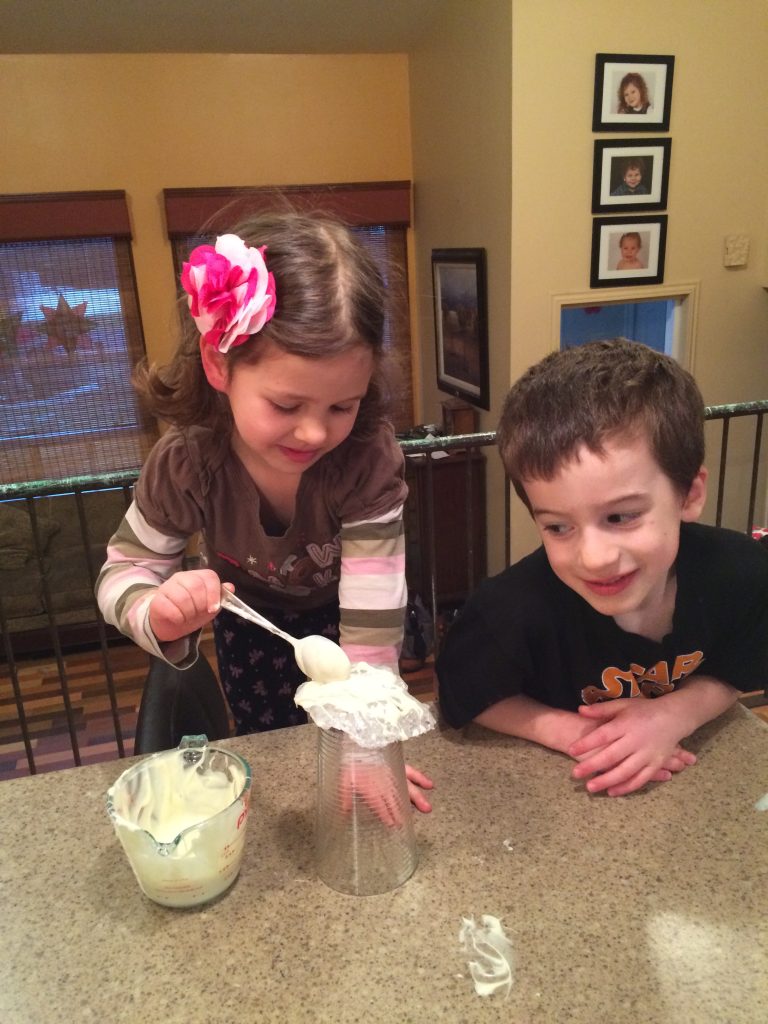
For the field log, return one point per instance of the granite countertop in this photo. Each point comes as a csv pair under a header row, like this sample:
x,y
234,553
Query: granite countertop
x,y
644,909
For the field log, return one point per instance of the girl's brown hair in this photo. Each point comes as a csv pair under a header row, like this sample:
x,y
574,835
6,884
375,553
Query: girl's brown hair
x,y
330,298
636,79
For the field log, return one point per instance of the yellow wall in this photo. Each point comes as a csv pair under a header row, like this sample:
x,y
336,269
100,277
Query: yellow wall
x,y
717,186
460,111
500,101
144,122
501,95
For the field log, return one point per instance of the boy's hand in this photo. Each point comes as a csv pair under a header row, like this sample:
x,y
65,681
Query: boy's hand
x,y
184,603
637,743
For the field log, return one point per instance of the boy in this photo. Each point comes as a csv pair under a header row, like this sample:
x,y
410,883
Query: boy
x,y
632,625
633,170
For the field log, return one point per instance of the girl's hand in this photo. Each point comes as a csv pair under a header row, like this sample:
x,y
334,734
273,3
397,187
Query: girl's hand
x,y
376,786
185,603
416,782
637,743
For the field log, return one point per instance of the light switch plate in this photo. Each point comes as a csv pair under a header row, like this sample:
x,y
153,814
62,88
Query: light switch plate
x,y
736,251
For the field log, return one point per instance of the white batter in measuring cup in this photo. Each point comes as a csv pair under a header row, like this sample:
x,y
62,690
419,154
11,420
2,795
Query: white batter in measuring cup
x,y
181,816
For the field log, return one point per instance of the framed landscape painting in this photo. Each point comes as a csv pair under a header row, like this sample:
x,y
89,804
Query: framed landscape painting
x,y
461,324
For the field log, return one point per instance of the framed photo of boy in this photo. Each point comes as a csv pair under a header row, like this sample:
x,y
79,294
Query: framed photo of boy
x,y
461,324
628,250
633,92
630,174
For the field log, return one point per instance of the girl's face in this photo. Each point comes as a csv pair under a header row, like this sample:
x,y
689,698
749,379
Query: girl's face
x,y
632,96
290,410
632,177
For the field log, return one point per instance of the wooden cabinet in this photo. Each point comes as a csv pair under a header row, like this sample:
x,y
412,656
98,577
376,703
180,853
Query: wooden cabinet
x,y
450,529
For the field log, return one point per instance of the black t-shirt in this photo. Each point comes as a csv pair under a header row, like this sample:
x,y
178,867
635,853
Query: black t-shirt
x,y
524,631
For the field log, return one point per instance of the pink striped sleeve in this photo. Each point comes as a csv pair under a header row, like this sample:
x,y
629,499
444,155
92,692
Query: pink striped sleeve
x,y
372,589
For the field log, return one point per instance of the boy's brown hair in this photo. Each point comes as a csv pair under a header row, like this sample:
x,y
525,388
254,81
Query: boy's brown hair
x,y
598,392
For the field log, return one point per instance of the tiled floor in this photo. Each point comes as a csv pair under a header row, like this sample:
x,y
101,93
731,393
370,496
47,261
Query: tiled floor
x,y
93,716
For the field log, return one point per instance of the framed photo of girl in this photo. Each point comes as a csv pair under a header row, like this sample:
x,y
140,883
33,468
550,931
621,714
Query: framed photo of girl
x,y
633,92
630,174
628,250
461,324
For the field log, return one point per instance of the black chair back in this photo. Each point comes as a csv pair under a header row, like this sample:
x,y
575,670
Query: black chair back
x,y
179,702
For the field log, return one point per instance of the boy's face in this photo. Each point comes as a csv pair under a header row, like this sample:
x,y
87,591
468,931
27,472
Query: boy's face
x,y
611,527
629,248
632,177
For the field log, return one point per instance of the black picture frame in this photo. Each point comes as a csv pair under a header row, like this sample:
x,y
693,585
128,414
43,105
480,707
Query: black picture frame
x,y
461,324
607,235
651,76
645,161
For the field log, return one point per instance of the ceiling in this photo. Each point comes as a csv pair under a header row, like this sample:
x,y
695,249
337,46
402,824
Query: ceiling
x,y
214,26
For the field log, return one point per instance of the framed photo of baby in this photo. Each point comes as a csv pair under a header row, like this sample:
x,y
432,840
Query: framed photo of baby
x,y
630,174
628,250
633,92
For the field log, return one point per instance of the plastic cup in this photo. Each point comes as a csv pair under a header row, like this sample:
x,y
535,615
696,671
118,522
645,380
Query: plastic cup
x,y
365,842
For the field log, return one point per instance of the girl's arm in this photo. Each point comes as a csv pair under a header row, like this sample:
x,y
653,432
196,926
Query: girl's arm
x,y
372,591
139,560
373,597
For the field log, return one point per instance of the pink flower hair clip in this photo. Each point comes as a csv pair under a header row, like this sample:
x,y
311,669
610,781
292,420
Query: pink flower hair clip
x,y
231,292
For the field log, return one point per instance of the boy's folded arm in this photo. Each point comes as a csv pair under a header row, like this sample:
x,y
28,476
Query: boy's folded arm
x,y
702,698
638,737
529,719
695,701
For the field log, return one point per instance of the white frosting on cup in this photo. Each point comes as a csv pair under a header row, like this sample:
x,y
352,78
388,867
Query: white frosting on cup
x,y
373,706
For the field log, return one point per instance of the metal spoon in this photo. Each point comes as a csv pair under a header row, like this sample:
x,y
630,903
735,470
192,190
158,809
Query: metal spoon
x,y
318,657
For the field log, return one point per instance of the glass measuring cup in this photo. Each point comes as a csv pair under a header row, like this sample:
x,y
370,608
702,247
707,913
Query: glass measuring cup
x,y
181,816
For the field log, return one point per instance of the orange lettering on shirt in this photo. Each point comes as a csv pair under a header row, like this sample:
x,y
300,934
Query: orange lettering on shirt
x,y
655,681
638,681
685,664
614,681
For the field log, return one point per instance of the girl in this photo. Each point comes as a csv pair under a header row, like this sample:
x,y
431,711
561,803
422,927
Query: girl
x,y
281,458
633,94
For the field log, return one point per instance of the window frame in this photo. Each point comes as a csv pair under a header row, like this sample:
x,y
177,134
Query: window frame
x,y
71,217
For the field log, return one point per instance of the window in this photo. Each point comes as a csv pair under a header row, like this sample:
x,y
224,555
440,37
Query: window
x,y
378,212
70,336
663,319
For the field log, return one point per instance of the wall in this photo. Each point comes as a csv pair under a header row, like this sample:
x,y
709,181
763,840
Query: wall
x,y
144,122
719,128
501,105
460,113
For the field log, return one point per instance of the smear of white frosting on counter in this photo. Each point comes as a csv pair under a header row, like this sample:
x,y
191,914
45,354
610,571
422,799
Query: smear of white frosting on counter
x,y
491,963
